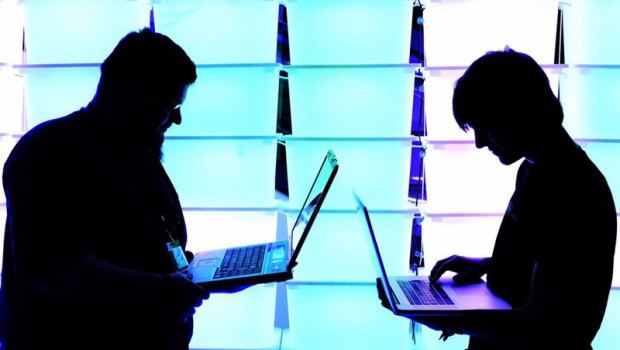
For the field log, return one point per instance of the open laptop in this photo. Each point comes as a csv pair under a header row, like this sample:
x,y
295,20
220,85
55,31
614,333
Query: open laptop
x,y
417,296
266,262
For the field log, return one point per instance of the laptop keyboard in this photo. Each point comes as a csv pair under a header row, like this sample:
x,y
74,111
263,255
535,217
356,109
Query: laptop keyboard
x,y
241,261
421,292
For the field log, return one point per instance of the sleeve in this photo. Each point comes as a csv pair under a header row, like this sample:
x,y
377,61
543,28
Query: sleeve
x,y
43,208
49,226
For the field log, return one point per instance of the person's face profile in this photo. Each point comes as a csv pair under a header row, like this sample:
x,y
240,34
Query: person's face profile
x,y
171,109
499,137
161,110
153,113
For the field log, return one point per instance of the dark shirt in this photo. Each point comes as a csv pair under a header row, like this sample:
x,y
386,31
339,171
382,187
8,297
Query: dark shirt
x,y
72,190
561,219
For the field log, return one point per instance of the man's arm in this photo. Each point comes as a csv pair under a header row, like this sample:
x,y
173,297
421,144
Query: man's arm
x,y
93,281
47,207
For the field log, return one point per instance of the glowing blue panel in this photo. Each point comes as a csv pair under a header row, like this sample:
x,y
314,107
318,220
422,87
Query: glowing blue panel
x,y
231,100
11,26
242,320
457,32
349,31
342,317
215,229
349,259
467,236
12,101
351,101
221,31
591,32
377,170
455,175
55,92
74,31
591,103
438,92
605,156
222,172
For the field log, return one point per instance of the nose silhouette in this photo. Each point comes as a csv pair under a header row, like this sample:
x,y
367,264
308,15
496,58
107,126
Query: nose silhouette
x,y
481,139
175,116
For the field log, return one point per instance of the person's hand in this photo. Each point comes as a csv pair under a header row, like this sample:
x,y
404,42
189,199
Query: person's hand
x,y
442,324
182,295
436,323
468,270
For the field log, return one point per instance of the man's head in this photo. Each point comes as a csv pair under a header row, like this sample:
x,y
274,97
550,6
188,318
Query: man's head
x,y
145,78
505,96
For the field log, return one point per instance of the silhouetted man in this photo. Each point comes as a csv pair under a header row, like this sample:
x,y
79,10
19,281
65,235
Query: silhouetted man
x,y
92,215
553,255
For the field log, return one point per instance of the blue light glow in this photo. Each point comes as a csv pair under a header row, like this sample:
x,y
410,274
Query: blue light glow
x,y
349,32
55,92
222,172
350,261
377,170
74,31
351,101
221,31
231,100
591,104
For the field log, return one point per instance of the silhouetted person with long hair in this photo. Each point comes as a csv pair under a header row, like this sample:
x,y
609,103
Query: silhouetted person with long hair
x,y
553,255
91,211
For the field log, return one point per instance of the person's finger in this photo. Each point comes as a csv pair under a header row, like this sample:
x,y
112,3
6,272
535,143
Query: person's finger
x,y
441,267
204,293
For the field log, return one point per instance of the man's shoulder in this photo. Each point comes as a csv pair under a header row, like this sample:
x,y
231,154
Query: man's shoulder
x,y
58,126
54,131
50,137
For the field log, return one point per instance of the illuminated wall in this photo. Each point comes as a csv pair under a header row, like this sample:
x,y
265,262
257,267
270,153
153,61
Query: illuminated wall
x,y
588,83
351,90
468,189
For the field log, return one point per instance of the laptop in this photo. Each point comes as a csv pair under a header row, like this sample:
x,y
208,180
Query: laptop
x,y
417,296
231,267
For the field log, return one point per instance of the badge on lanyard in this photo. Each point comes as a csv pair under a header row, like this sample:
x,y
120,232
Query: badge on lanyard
x,y
175,250
178,256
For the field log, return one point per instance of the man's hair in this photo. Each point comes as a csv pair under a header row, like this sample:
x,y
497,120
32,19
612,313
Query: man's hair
x,y
146,60
505,85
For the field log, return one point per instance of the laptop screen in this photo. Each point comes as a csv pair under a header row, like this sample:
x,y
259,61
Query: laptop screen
x,y
373,247
312,203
